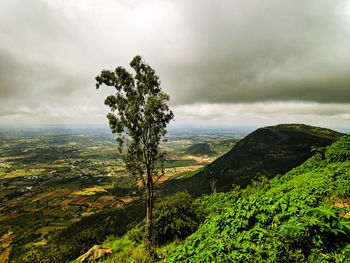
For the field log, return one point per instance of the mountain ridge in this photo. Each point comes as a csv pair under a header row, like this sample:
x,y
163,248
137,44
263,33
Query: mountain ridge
x,y
267,151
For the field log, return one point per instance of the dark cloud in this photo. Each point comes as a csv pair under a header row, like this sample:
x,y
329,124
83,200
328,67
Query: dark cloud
x,y
265,50
11,77
204,51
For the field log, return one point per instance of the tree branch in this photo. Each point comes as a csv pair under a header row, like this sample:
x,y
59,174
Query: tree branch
x,y
142,180
159,176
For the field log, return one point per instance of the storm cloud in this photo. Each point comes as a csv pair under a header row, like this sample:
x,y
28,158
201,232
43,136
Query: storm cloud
x,y
221,55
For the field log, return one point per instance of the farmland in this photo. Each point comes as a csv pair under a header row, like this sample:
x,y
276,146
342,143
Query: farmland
x,y
50,179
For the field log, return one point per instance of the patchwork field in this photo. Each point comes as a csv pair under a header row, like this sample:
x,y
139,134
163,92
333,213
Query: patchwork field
x,y
51,179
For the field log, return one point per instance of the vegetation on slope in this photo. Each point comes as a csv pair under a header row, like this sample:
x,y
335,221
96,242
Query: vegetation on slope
x,y
68,244
199,149
302,216
211,148
77,239
267,151
175,218
50,179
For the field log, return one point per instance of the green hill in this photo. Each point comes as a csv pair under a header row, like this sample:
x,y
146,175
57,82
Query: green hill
x,y
211,148
222,147
303,216
200,149
267,151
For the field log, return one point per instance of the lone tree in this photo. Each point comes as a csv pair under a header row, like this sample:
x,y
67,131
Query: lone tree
x,y
139,115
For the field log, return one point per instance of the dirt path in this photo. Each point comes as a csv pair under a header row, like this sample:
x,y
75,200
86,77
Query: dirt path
x,y
5,242
18,157
4,257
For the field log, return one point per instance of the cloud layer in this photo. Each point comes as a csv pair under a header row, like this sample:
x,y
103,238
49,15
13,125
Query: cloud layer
x,y
214,53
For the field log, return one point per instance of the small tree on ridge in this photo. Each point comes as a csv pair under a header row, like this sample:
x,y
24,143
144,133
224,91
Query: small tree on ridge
x,y
139,115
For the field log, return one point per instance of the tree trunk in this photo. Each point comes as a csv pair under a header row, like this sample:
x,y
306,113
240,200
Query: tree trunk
x,y
149,221
149,200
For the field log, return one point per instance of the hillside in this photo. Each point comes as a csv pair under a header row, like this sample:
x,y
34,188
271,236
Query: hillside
x,y
302,216
54,181
62,246
267,151
199,149
210,148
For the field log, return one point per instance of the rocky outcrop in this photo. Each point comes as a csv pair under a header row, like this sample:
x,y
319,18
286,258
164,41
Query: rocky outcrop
x,y
94,253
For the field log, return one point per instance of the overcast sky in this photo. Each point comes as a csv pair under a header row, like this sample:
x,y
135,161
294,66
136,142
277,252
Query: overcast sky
x,y
235,62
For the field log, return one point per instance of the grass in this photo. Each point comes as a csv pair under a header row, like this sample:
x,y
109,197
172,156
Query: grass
x,y
90,191
126,251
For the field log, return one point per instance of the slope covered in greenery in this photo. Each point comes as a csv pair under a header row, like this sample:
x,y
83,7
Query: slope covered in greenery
x,y
68,244
267,151
211,148
302,216
199,149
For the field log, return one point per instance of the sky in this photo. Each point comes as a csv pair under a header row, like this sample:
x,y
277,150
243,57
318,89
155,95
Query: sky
x,y
223,63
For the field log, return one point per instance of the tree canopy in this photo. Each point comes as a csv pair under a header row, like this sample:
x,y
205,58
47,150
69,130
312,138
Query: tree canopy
x,y
139,115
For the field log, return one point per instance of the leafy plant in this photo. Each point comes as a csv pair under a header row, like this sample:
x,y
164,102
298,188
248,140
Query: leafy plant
x,y
287,219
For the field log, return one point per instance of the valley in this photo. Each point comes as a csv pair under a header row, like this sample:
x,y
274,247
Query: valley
x,y
64,191
174,131
51,179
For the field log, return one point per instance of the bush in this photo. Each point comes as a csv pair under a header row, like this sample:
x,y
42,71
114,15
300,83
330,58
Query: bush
x,y
175,217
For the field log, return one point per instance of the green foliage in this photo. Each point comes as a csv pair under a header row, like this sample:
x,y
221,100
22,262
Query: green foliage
x,y
125,251
175,217
288,219
340,150
139,115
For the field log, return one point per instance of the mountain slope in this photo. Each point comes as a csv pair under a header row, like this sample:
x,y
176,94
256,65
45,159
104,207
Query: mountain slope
x,y
303,216
211,148
268,151
199,149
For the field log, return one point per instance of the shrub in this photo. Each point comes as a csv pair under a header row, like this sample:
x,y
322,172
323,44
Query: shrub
x,y
175,217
